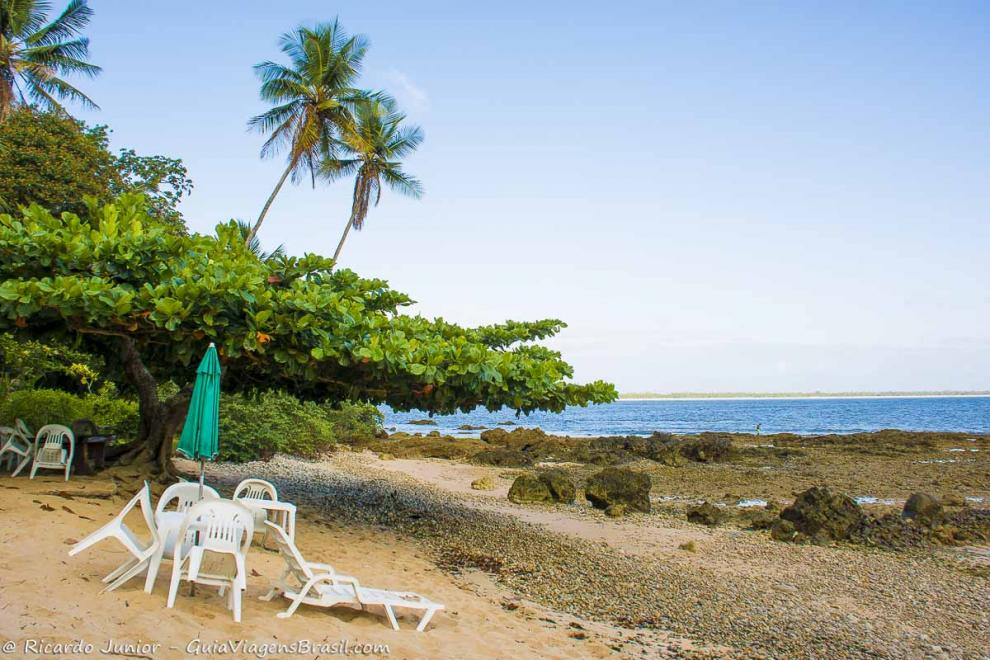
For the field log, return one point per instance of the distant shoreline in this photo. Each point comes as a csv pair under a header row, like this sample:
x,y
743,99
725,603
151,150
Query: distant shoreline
x,y
693,396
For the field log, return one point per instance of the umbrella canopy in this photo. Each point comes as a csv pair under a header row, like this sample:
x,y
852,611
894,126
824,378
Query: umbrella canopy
x,y
200,434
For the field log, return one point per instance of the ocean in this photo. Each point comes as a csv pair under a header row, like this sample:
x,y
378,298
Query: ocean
x,y
809,416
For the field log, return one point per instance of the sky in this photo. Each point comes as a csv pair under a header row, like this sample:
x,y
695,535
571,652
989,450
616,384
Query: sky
x,y
715,196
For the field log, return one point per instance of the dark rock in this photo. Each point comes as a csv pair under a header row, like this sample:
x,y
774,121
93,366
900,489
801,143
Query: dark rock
x,y
706,514
619,486
818,511
783,530
616,511
527,489
923,508
423,422
760,518
559,483
470,427
502,458
707,448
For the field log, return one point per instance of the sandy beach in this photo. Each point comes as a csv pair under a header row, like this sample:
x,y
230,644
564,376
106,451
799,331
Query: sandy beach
x,y
548,581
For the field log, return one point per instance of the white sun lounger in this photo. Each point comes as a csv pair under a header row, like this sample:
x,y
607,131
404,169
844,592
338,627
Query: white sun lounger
x,y
319,584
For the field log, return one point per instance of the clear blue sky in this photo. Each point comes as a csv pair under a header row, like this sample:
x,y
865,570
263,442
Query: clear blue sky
x,y
714,195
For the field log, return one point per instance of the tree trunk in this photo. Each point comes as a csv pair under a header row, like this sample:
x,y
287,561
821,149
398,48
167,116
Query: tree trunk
x,y
159,420
350,220
268,204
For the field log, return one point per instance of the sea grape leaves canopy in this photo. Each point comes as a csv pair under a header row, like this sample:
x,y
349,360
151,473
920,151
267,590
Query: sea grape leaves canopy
x,y
289,323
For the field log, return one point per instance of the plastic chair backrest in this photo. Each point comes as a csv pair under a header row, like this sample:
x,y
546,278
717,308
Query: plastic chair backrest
x,y
255,489
23,429
50,441
220,526
185,494
294,560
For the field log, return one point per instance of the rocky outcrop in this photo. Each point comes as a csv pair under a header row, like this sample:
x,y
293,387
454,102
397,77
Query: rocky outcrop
x,y
818,515
502,458
923,508
619,486
529,489
706,513
559,483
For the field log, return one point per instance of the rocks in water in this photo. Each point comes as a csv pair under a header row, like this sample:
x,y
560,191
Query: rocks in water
x,y
486,482
549,486
923,508
501,457
507,422
706,513
423,422
619,486
820,515
529,489
471,427
559,484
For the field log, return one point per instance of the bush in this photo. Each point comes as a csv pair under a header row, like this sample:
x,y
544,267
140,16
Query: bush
x,y
274,422
40,407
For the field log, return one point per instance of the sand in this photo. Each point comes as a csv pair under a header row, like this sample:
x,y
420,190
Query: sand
x,y
49,598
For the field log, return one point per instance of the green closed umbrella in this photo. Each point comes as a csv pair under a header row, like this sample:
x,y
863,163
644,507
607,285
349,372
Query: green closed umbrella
x,y
200,440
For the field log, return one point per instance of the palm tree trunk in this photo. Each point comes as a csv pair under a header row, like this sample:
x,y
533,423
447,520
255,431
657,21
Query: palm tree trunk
x,y
358,182
340,246
6,98
268,204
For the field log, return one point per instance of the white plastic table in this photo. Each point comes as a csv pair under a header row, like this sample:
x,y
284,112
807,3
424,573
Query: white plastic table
x,y
286,512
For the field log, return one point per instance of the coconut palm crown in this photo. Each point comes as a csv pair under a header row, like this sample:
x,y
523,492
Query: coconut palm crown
x,y
36,53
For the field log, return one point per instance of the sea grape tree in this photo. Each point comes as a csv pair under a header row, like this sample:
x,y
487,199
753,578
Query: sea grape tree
x,y
123,285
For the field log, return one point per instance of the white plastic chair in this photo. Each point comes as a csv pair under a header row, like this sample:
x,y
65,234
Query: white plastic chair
x,y
49,449
169,519
15,450
253,490
117,529
220,527
319,584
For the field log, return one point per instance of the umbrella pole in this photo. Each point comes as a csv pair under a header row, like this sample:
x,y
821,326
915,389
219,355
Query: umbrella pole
x,y
202,477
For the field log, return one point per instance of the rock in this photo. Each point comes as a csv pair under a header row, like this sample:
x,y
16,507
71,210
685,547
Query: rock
x,y
817,511
923,508
559,484
433,434
502,457
760,518
689,546
707,448
528,489
484,483
616,511
619,486
706,514
471,427
783,530
423,422
954,500
507,422
385,456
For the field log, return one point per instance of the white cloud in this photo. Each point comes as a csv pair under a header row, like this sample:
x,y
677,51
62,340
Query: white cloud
x,y
408,93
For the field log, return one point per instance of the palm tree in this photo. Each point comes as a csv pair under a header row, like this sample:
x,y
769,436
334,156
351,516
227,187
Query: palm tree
x,y
35,53
254,244
312,98
373,146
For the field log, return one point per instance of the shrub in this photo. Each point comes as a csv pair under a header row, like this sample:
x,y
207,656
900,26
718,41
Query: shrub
x,y
40,407
273,422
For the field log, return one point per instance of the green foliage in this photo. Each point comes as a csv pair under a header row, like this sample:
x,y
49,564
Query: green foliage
x,y
276,422
40,407
292,323
54,161
35,51
24,363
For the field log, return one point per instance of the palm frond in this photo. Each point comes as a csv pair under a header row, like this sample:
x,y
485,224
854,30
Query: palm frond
x,y
70,22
